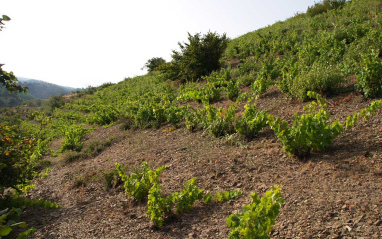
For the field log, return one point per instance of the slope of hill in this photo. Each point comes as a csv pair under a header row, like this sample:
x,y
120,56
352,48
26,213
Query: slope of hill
x,y
245,128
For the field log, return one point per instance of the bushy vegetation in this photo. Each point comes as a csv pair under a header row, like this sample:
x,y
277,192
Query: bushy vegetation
x,y
310,131
146,184
197,58
324,6
319,51
258,217
153,63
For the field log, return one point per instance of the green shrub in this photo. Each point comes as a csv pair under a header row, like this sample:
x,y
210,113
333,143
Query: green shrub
x,y
56,101
310,131
154,63
11,218
249,66
160,207
369,76
146,183
251,122
324,6
247,79
232,90
260,85
235,73
365,113
258,217
209,198
73,138
218,78
89,150
200,56
206,95
217,121
186,198
105,114
192,119
319,78
210,94
138,184
112,179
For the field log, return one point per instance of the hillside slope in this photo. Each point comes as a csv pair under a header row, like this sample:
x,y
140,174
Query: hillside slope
x,y
247,127
334,194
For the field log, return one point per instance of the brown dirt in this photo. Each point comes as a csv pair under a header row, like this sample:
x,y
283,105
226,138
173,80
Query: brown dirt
x,y
333,194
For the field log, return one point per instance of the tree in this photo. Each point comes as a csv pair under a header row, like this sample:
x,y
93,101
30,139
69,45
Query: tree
x,y
199,57
153,63
8,79
324,6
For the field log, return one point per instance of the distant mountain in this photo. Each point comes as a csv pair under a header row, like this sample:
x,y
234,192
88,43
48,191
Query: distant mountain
x,y
42,90
36,90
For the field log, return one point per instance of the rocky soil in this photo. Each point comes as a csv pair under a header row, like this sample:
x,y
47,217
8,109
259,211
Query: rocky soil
x,y
333,194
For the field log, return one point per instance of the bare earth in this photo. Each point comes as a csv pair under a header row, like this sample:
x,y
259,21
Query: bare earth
x,y
333,194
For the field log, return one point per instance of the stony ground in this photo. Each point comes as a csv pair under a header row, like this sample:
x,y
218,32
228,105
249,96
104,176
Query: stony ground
x,y
332,194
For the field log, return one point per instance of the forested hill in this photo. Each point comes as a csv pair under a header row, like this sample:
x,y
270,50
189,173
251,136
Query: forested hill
x,y
36,90
42,90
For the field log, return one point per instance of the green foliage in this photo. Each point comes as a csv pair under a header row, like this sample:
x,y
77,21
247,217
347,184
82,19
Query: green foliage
x,y
352,121
138,184
186,198
4,18
11,218
104,115
43,90
258,217
7,79
324,6
11,99
20,154
260,86
217,121
232,90
247,79
369,76
219,78
192,119
320,53
206,95
171,70
55,102
318,78
73,137
209,198
157,205
146,184
89,150
200,56
112,179
310,131
154,63
210,94
251,122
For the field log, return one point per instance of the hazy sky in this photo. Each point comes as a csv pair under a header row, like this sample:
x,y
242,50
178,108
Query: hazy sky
x,y
89,42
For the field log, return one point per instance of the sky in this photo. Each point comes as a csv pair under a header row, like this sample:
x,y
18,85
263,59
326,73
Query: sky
x,y
81,43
